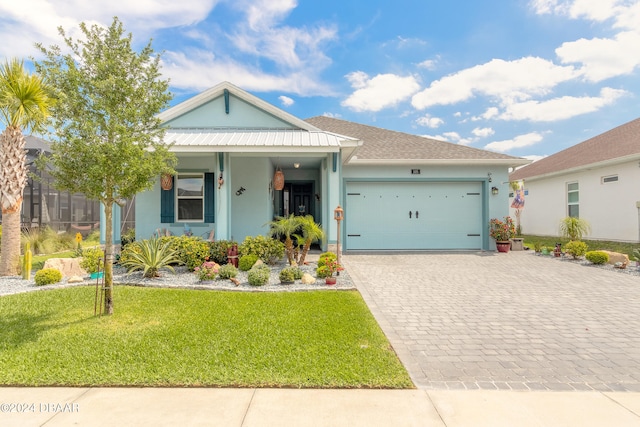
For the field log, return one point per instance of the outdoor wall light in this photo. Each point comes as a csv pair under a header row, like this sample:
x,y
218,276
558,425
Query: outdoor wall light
x,y
296,165
494,190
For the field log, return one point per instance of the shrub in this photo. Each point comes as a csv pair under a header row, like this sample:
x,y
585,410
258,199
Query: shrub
x,y
152,255
191,251
576,248
91,258
127,238
218,250
597,257
326,257
245,263
297,273
128,252
636,255
574,228
288,274
267,249
47,276
207,271
259,275
227,271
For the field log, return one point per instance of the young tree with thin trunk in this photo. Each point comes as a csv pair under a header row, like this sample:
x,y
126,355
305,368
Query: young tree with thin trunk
x,y
108,141
24,105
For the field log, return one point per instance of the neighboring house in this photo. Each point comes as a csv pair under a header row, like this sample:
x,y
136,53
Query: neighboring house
x,y
398,191
597,180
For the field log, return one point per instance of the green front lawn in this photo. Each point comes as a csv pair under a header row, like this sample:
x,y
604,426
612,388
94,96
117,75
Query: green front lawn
x,y
169,337
624,248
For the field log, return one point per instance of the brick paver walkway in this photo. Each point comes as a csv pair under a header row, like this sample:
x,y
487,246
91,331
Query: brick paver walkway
x,y
505,321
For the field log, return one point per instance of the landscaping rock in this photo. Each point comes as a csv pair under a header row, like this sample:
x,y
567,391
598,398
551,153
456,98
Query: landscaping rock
x,y
258,262
75,279
616,257
67,266
308,279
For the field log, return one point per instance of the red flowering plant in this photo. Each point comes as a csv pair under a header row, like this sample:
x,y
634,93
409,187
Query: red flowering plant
x,y
207,271
502,231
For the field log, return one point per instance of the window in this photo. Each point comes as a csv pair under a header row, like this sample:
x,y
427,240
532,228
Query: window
x,y
610,178
573,199
190,197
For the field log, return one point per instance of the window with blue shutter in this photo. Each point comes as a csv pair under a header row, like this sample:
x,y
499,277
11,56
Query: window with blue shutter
x,y
208,197
189,200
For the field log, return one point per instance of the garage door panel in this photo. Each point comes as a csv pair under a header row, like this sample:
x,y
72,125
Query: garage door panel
x,y
414,215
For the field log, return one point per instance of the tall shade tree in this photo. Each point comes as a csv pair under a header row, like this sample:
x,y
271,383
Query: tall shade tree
x,y
108,141
24,105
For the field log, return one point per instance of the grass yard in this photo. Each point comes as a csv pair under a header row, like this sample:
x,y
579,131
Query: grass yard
x,y
169,337
621,247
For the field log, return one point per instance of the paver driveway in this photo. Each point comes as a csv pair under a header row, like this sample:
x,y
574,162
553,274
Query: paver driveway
x,y
505,321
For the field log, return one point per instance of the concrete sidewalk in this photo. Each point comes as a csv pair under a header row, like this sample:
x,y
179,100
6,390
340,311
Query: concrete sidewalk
x,y
51,407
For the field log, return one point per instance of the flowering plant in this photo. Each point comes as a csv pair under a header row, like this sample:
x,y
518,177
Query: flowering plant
x,y
207,271
502,231
330,267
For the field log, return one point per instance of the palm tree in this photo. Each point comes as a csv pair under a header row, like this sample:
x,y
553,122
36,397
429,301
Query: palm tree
x,y
24,105
574,228
286,227
311,232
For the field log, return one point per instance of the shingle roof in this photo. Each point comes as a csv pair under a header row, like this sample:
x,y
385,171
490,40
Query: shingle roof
x,y
619,142
384,144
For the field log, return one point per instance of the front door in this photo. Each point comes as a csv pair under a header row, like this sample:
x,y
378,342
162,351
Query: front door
x,y
301,198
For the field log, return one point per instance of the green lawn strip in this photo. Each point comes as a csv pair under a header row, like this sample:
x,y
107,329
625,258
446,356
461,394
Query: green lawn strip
x,y
593,245
169,337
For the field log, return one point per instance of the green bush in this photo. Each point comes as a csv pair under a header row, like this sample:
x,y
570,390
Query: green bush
x,y
227,271
322,272
90,259
326,257
297,273
267,249
288,274
151,256
259,275
597,257
191,251
207,271
218,250
576,248
246,262
47,276
127,238
128,253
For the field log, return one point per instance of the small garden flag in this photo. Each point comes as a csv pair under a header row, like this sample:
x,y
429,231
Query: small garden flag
x,y
518,191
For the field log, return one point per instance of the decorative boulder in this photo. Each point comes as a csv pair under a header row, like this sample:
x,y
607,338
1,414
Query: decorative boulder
x,y
308,279
75,279
616,257
258,262
67,266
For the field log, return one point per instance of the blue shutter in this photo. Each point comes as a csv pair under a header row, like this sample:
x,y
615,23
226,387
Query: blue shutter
x,y
208,197
167,204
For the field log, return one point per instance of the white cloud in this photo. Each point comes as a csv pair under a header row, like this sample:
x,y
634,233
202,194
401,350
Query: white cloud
x,y
333,115
483,132
560,108
505,80
428,64
453,137
603,58
286,101
429,121
381,91
520,141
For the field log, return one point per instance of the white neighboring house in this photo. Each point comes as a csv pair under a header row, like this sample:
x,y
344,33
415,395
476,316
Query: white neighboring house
x,y
597,180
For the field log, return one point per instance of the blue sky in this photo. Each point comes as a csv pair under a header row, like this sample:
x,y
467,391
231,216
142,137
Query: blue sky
x,y
522,77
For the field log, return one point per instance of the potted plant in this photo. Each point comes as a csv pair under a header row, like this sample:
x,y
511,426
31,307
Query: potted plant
x,y
501,232
327,267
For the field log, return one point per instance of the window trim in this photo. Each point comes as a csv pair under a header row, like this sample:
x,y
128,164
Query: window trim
x,y
199,175
570,204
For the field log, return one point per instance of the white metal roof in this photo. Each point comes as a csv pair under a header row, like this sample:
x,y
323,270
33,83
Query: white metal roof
x,y
248,140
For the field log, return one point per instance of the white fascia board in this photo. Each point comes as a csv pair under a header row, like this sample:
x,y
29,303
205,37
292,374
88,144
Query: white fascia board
x,y
253,149
473,162
597,165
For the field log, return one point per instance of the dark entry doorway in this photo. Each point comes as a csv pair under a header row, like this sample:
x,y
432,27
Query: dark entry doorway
x,y
301,199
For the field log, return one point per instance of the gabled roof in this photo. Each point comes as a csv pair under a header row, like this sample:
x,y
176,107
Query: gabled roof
x,y
618,144
387,146
218,91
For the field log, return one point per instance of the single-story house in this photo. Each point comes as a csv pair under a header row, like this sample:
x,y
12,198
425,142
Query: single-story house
x,y
597,180
398,191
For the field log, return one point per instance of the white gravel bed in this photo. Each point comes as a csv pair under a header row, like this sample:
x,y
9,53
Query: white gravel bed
x,y
185,280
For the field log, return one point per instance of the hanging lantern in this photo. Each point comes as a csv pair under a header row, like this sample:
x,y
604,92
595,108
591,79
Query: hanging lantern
x,y
166,181
278,180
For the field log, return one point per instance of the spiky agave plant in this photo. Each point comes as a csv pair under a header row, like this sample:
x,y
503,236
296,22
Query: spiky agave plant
x,y
153,255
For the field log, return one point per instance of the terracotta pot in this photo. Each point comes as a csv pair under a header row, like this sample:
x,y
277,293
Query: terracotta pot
x,y
331,280
503,246
166,182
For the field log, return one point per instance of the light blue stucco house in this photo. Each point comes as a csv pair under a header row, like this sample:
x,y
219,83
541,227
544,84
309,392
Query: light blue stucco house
x,y
398,191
